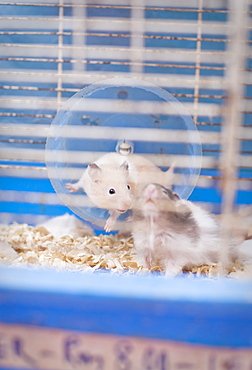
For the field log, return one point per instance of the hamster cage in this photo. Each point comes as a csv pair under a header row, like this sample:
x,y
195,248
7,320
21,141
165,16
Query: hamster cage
x,y
174,80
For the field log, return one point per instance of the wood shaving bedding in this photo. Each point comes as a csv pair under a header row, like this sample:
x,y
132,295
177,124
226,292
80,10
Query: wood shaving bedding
x,y
23,245
36,246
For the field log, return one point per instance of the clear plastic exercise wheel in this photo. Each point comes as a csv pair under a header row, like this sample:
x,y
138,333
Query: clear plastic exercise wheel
x,y
105,115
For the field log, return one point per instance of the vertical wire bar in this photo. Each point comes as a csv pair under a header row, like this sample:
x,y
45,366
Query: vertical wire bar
x,y
60,59
137,41
197,70
229,160
79,54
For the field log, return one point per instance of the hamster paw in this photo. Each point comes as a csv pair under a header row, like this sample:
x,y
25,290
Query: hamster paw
x,y
129,219
110,223
172,269
72,187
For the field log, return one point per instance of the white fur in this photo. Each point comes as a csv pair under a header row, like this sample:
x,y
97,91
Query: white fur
x,y
174,249
66,225
113,174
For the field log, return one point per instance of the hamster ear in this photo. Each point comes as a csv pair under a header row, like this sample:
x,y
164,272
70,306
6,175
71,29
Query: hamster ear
x,y
124,166
176,196
94,171
169,175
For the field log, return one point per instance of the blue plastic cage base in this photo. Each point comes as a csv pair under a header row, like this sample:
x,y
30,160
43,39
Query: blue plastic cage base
x,y
202,311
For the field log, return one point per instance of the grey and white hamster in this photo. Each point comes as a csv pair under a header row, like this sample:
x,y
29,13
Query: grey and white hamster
x,y
172,231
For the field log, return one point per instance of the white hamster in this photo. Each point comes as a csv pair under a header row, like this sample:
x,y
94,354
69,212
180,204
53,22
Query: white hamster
x,y
112,181
176,233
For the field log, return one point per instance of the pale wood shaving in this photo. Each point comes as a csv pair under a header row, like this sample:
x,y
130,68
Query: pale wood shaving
x,y
35,246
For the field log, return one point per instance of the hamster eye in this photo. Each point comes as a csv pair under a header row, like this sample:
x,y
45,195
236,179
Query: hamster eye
x,y
111,191
165,191
128,187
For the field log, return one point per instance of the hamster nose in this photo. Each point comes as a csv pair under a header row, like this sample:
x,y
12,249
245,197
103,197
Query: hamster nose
x,y
150,191
127,204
